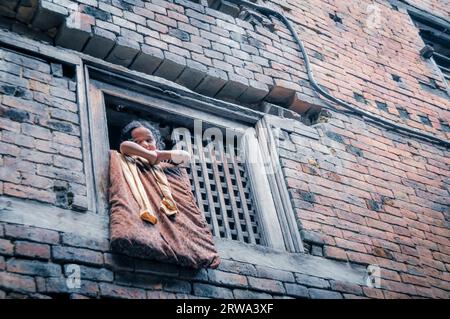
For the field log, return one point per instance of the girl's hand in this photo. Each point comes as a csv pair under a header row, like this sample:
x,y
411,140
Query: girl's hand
x,y
180,157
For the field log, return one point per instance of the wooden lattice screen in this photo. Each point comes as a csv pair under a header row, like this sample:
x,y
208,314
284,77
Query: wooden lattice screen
x,y
221,186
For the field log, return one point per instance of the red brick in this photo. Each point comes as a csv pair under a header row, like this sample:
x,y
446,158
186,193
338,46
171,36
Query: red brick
x,y
393,220
29,193
346,287
403,231
425,292
7,124
351,217
59,285
395,295
36,131
9,149
66,139
227,279
439,293
381,252
116,291
442,257
234,267
33,267
335,253
267,285
373,293
77,255
361,258
415,280
390,274
349,245
17,282
32,233
432,263
355,237
350,296
398,287
89,288
379,225
6,247
19,103
160,295
209,291
34,250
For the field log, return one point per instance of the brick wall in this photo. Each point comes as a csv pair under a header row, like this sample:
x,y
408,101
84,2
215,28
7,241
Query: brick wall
x,y
364,52
36,263
369,196
363,195
41,156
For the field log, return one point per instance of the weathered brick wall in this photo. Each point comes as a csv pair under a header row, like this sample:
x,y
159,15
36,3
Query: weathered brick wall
x,y
363,195
34,262
370,196
364,52
41,155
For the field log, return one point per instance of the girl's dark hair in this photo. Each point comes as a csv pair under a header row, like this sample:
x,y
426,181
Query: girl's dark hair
x,y
127,129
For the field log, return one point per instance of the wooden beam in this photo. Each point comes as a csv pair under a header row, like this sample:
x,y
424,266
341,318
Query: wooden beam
x,y
262,192
158,87
277,183
99,147
82,98
150,102
32,213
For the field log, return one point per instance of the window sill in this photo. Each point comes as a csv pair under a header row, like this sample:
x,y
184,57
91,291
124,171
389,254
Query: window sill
x,y
293,262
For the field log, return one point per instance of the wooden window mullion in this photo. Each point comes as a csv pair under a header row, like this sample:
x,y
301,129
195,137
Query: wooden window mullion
x,y
232,199
198,195
242,197
212,210
220,197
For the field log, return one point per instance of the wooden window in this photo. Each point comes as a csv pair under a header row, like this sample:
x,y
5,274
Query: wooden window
x,y
438,38
435,32
218,175
221,187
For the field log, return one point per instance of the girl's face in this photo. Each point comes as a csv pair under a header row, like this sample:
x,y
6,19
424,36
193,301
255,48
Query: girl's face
x,y
144,138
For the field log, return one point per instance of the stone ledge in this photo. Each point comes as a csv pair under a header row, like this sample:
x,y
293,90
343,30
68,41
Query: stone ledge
x,y
298,263
26,212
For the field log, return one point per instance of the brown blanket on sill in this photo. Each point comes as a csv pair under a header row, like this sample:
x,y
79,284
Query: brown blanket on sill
x,y
183,239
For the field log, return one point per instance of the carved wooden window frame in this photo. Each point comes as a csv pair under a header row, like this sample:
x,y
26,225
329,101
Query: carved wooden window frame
x,y
277,235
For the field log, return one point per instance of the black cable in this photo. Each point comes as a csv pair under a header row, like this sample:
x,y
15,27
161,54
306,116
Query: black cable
x,y
394,126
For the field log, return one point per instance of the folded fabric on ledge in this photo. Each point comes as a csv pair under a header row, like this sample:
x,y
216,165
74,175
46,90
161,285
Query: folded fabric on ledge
x,y
183,238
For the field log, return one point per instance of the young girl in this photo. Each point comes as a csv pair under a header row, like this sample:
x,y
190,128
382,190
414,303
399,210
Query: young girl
x,y
138,140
